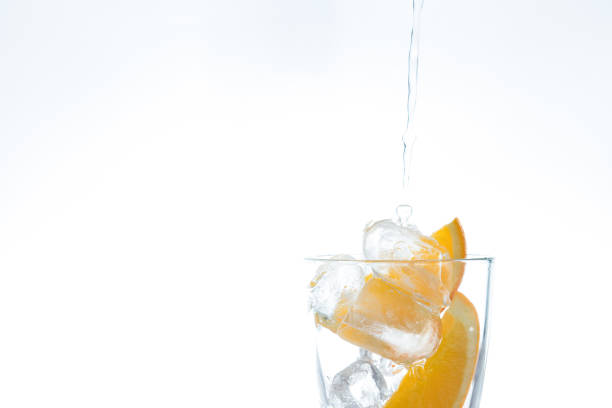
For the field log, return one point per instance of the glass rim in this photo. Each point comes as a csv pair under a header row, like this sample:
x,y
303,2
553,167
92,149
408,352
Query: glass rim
x,y
336,258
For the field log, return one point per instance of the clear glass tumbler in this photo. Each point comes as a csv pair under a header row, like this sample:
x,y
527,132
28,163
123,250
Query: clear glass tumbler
x,y
350,375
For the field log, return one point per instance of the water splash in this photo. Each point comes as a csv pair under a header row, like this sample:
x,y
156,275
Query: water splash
x,y
408,138
403,213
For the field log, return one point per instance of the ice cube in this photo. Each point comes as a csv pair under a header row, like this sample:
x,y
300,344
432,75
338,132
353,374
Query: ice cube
x,y
391,323
394,373
387,239
360,385
423,281
334,289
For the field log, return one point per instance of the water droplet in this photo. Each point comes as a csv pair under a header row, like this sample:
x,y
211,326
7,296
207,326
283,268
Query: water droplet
x,y
404,212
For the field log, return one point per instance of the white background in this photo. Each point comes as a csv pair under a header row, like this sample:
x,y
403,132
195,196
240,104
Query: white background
x,y
165,166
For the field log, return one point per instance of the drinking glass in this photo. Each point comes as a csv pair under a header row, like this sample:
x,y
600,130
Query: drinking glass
x,y
334,355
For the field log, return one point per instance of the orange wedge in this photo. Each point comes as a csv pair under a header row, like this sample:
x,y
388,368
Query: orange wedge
x,y
444,379
452,239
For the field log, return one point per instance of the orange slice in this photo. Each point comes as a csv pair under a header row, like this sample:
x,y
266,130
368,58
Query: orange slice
x,y
444,379
452,239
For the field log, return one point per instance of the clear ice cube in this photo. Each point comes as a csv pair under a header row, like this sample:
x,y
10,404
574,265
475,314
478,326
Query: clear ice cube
x,y
360,385
391,323
334,288
394,373
388,240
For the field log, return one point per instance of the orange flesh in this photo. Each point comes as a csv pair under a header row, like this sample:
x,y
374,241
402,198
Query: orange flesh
x,y
444,379
452,238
